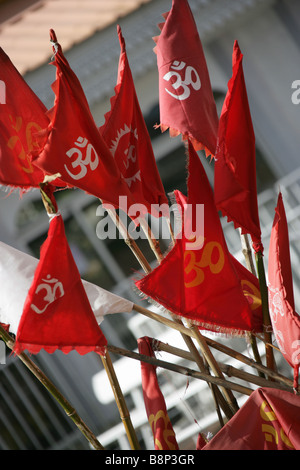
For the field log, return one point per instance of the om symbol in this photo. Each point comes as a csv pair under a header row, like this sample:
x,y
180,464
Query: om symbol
x,y
191,78
163,432
18,142
270,433
252,294
205,261
91,158
54,290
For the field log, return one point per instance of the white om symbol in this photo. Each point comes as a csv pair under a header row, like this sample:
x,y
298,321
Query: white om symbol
x,y
131,156
54,289
296,354
91,158
191,78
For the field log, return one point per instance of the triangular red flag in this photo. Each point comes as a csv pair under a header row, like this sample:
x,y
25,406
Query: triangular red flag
x,y
22,115
186,100
72,145
161,426
57,313
235,166
249,282
197,278
285,320
268,420
127,137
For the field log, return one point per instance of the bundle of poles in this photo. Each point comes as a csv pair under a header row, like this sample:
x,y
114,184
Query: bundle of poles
x,y
198,352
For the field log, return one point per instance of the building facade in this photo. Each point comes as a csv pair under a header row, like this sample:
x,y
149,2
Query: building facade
x,y
268,35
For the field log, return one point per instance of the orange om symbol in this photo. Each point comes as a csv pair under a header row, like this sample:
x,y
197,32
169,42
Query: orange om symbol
x,y
17,143
205,261
166,432
252,294
268,430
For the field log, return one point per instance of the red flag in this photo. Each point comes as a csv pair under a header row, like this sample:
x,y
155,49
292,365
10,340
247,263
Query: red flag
x,y
57,313
249,283
22,115
235,167
72,145
197,278
285,320
269,420
186,100
163,433
126,135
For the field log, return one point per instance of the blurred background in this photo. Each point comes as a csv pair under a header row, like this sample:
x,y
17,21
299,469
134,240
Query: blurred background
x,y
268,35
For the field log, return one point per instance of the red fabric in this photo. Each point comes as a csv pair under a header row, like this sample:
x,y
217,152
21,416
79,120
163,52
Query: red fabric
x,y
72,144
186,100
249,282
201,442
200,283
235,167
285,320
22,115
163,433
269,420
126,135
57,313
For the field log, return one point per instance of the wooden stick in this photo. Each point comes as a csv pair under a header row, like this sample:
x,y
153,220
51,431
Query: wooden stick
x,y
154,244
50,206
186,332
217,395
247,252
119,398
250,362
146,267
130,242
214,344
171,230
214,366
43,379
265,308
181,370
227,369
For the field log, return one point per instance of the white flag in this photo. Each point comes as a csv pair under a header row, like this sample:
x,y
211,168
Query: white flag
x,y
16,275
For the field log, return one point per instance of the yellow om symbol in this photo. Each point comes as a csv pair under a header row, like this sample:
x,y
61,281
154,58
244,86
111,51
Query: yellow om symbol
x,y
166,432
16,143
205,261
269,431
252,294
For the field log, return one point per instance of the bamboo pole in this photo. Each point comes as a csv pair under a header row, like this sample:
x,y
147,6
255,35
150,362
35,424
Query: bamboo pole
x,y
186,333
147,268
130,242
270,360
50,206
216,394
121,403
181,370
226,369
216,345
250,362
214,366
44,380
246,250
230,405
154,244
